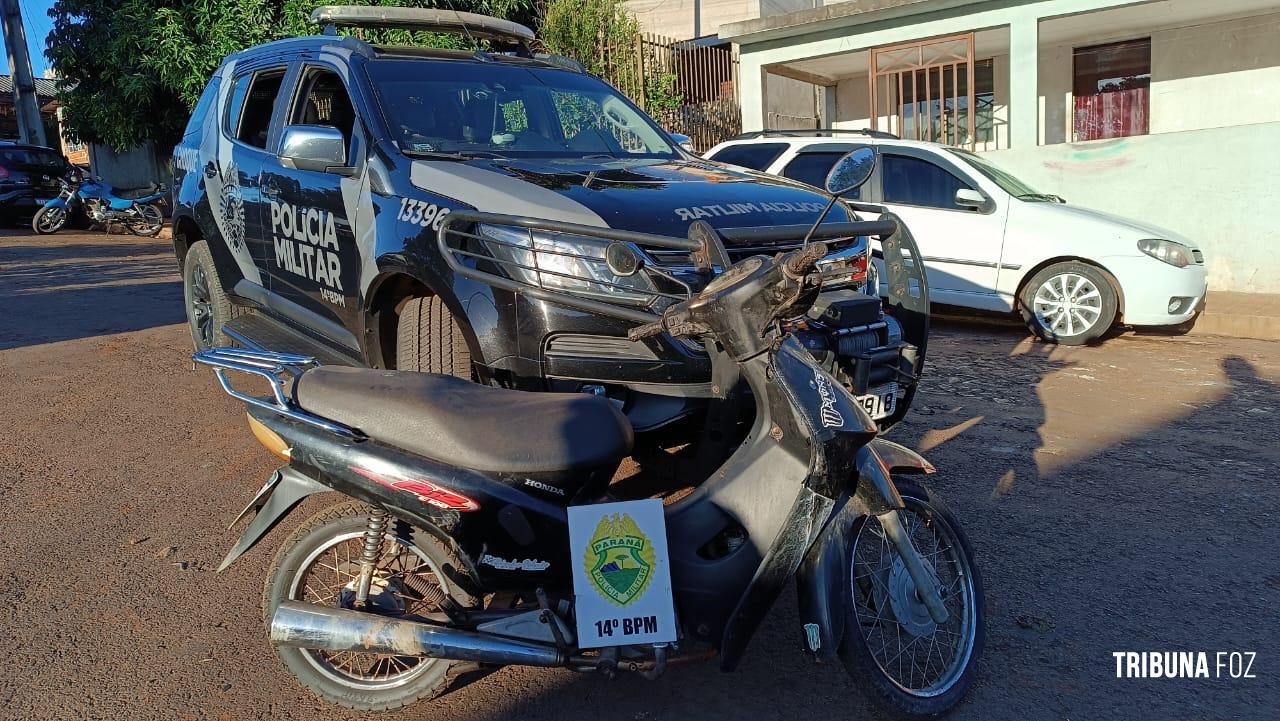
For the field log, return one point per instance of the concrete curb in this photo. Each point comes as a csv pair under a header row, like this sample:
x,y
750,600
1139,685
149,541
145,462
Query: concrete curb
x,y
1240,315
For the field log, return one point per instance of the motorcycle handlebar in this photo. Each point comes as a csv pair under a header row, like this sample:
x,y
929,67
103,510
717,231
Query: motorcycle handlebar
x,y
806,259
675,320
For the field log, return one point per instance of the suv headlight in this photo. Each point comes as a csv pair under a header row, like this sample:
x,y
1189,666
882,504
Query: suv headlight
x,y
1175,254
563,262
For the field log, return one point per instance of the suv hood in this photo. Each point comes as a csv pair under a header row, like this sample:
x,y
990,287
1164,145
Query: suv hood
x,y
651,196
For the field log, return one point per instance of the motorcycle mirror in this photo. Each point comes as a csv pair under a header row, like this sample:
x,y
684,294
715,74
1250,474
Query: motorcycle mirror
x,y
851,171
622,259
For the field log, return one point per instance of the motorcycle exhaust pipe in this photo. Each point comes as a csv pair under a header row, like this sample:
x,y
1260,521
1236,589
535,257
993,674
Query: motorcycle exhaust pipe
x,y
308,625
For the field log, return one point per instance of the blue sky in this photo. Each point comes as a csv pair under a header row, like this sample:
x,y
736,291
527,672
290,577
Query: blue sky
x,y
35,17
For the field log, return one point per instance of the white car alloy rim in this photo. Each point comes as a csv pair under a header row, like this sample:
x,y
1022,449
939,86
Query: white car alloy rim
x,y
1068,304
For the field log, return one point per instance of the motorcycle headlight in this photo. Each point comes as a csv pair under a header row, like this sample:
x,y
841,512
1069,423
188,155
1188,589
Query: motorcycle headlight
x,y
563,262
1167,251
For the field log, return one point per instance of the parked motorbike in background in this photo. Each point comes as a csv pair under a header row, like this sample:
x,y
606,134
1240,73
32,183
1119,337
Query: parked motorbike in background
x,y
138,210
481,526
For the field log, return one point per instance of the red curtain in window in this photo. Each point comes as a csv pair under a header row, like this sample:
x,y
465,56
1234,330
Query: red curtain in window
x,y
1114,114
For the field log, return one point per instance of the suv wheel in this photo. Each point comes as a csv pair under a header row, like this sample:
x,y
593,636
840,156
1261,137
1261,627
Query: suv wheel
x,y
1069,303
207,305
428,340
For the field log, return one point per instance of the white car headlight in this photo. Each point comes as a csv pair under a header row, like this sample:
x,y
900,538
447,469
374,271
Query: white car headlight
x,y
569,263
1175,254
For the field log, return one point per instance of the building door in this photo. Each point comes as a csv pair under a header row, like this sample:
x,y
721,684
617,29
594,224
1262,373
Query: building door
x,y
932,90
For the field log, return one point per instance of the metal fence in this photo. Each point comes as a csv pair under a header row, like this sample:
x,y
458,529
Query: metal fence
x,y
687,88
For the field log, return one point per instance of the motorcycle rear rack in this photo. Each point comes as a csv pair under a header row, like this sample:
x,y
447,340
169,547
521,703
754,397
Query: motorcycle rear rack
x,y
279,370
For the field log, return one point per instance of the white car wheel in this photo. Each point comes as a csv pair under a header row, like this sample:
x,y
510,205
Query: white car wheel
x,y
1069,303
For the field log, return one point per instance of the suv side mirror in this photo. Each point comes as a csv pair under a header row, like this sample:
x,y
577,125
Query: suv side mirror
x,y
313,147
684,141
973,199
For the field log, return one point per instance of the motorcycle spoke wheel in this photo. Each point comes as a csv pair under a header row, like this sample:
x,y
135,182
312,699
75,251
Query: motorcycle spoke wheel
x,y
406,584
920,657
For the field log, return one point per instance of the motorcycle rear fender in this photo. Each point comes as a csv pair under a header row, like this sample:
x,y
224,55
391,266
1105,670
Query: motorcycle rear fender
x,y
149,198
274,501
823,581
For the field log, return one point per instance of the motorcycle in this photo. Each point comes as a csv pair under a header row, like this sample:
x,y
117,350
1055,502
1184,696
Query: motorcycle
x,y
103,206
480,529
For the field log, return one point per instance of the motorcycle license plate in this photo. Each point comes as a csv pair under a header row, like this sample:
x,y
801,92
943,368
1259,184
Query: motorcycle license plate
x,y
881,401
621,574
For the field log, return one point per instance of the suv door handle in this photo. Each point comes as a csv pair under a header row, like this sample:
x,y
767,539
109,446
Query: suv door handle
x,y
270,189
210,171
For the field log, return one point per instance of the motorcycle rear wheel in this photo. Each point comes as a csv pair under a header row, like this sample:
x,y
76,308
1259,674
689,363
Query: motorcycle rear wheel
x,y
49,220
149,222
319,564
916,668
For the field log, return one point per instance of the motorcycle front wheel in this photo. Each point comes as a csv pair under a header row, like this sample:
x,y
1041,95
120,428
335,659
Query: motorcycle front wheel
x,y
320,563
148,221
49,220
915,666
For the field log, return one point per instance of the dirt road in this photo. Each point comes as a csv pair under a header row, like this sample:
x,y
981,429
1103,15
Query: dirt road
x,y
1119,498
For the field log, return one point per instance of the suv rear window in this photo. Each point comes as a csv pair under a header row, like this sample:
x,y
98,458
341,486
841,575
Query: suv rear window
x,y
756,156
250,106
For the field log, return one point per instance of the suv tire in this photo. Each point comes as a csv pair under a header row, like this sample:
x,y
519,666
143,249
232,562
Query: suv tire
x,y
1090,299
428,340
208,307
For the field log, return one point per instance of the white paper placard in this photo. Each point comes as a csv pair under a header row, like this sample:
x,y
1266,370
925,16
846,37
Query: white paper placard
x,y
621,574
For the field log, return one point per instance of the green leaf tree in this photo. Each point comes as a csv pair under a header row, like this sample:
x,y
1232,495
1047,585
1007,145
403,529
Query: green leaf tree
x,y
131,70
605,37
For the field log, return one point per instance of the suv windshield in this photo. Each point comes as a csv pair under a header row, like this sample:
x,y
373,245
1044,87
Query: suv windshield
x,y
30,159
493,109
1007,182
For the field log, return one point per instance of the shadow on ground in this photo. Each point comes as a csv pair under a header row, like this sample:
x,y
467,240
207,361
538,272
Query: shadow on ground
x,y
59,290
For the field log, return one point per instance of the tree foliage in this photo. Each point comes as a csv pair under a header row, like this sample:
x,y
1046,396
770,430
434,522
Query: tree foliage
x,y
605,37
132,70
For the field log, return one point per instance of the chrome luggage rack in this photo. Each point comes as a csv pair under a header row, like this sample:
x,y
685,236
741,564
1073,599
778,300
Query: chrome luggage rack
x,y
279,370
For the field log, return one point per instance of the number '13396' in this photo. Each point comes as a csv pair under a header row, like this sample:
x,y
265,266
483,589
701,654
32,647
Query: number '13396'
x,y
420,213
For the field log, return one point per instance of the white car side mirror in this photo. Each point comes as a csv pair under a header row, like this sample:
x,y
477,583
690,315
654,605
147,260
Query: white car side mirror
x,y
967,198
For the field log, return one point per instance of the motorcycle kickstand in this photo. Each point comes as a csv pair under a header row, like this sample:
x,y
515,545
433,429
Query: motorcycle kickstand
x,y
374,534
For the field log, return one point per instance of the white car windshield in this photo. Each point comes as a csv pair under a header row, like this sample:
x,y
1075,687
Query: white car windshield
x,y
506,110
1002,178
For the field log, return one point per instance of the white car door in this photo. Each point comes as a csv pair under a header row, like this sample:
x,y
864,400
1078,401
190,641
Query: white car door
x,y
961,246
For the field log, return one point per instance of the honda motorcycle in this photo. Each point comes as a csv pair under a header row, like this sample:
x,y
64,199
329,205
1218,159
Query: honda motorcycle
x,y
103,206
481,528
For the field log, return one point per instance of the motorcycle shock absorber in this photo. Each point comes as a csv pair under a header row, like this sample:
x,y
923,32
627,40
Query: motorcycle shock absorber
x,y
374,533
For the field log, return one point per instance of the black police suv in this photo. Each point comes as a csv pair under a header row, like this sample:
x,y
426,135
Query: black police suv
x,y
316,173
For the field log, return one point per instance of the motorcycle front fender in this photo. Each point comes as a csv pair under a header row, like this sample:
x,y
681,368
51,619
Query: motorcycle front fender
x,y
823,581
277,497
823,585
58,202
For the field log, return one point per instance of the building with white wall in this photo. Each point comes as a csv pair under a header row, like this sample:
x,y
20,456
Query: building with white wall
x,y
1166,111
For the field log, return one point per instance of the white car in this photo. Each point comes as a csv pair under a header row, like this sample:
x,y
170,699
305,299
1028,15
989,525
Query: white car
x,y
992,243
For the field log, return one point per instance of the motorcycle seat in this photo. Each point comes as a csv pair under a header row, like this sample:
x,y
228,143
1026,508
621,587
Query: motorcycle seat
x,y
135,193
468,425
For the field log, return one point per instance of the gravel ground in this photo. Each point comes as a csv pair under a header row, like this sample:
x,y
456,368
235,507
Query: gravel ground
x,y
1119,498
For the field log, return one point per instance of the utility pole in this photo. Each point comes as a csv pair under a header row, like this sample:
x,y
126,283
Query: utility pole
x,y
25,101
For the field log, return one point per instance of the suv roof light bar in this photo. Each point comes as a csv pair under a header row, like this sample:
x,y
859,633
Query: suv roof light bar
x,y
817,133
424,19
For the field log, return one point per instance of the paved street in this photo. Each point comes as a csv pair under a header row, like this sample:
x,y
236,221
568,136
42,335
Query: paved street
x,y
1119,498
